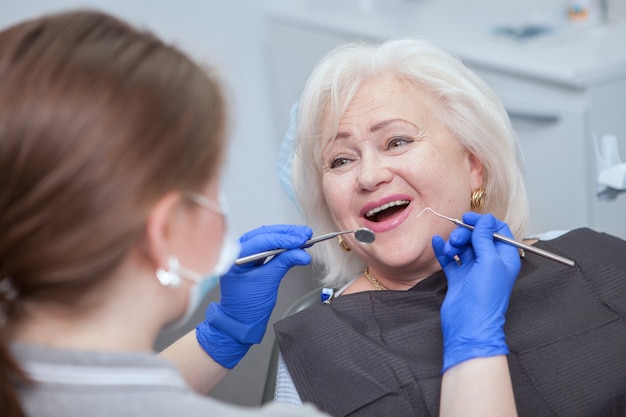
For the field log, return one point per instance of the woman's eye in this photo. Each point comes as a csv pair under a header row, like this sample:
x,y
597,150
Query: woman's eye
x,y
337,162
398,141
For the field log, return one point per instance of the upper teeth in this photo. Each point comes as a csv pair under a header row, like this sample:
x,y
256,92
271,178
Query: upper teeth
x,y
386,206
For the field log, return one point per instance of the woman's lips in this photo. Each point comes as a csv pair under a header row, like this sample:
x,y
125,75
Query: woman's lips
x,y
386,214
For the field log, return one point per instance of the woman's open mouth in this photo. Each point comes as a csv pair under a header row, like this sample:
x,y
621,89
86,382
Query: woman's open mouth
x,y
386,211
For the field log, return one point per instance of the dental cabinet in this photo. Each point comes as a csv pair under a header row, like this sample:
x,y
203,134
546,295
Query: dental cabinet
x,y
565,90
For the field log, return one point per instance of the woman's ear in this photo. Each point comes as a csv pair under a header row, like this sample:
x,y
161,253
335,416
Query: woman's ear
x,y
476,171
161,229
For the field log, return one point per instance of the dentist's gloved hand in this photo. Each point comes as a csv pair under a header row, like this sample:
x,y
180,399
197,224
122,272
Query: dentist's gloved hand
x,y
473,312
248,293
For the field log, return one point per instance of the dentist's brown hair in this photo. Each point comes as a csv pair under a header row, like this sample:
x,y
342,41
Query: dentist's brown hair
x,y
98,120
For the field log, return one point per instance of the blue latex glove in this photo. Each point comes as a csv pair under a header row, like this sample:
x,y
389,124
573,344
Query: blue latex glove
x,y
473,312
248,293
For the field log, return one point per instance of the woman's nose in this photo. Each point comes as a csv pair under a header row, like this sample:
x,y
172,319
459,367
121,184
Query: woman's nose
x,y
374,170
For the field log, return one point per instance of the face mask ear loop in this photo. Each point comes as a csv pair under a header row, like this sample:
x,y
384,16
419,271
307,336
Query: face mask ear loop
x,y
171,276
190,275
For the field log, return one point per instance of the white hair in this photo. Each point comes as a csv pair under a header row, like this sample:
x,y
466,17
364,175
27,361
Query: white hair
x,y
469,108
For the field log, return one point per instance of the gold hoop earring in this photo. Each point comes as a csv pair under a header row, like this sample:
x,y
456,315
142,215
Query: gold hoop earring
x,y
343,245
477,201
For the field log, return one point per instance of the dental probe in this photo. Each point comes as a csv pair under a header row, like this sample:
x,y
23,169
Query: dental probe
x,y
538,251
363,235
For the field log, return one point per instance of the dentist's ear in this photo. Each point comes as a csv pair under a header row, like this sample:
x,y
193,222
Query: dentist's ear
x,y
162,226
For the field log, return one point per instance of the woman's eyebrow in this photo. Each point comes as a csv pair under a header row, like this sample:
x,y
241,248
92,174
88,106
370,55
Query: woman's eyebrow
x,y
374,128
384,123
343,135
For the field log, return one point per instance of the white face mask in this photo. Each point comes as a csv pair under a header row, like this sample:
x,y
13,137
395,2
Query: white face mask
x,y
202,284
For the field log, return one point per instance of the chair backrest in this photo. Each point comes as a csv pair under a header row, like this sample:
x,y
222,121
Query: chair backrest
x,y
310,299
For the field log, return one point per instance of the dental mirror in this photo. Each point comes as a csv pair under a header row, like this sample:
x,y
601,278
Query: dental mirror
x,y
364,235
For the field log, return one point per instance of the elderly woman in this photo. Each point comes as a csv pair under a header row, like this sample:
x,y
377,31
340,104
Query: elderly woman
x,y
384,132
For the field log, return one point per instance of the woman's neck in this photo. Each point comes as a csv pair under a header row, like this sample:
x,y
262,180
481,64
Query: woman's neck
x,y
115,317
103,330
371,280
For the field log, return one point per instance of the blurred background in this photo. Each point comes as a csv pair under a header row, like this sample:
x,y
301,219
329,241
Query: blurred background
x,y
559,66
